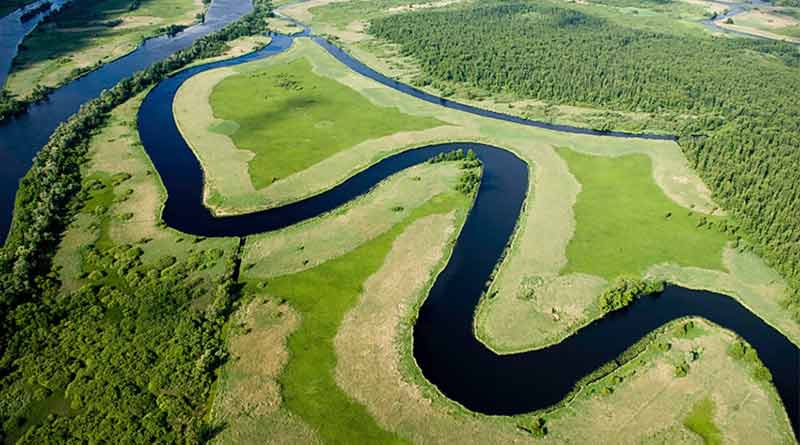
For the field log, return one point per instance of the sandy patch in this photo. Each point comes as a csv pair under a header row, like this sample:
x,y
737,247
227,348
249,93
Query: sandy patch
x,y
248,399
369,360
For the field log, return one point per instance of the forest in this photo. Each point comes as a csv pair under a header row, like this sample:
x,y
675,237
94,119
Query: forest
x,y
130,331
741,94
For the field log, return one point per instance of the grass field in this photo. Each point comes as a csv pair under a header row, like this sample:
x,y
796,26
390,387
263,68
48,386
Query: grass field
x,y
88,33
322,296
291,118
311,243
772,23
625,223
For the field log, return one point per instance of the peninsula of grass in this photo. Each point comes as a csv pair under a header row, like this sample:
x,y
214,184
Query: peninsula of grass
x,y
322,296
291,118
625,223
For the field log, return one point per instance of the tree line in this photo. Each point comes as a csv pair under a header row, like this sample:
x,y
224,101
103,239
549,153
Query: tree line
x,y
124,359
744,134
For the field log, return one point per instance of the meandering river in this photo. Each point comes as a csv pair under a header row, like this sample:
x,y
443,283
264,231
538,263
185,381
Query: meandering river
x,y
445,347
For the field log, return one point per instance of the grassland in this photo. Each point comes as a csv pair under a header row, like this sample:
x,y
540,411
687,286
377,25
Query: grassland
x,y
771,23
625,223
701,422
86,34
322,295
291,118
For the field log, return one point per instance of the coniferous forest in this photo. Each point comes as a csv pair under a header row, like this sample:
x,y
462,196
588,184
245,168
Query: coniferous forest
x,y
744,133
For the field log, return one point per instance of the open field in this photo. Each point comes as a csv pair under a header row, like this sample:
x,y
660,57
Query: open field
x,y
322,295
625,223
314,242
86,34
245,165
291,118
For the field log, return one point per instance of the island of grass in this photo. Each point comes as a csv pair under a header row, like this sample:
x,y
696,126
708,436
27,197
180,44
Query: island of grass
x,y
85,34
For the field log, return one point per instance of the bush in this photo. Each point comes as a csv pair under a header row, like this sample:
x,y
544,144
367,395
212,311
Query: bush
x,y
624,290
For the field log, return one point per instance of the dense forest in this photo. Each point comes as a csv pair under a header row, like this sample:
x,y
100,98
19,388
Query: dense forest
x,y
123,359
744,135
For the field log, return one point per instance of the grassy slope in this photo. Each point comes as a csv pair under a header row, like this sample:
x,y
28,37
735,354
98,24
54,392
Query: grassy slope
x,y
76,38
625,223
292,118
322,296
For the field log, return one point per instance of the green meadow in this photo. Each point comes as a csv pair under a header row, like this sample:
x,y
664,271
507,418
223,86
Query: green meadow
x,y
291,118
322,296
625,223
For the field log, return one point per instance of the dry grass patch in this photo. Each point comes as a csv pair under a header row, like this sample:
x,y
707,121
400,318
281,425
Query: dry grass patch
x,y
648,403
248,400
369,366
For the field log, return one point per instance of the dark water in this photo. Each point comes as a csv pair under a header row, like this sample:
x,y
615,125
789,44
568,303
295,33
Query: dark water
x,y
445,348
22,137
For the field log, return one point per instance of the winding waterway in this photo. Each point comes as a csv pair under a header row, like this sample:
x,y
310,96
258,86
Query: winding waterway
x,y
445,347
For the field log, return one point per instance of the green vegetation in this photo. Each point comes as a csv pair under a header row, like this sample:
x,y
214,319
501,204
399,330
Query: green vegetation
x,y
470,178
129,355
624,290
740,350
129,358
744,129
322,296
84,34
700,421
625,223
292,118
